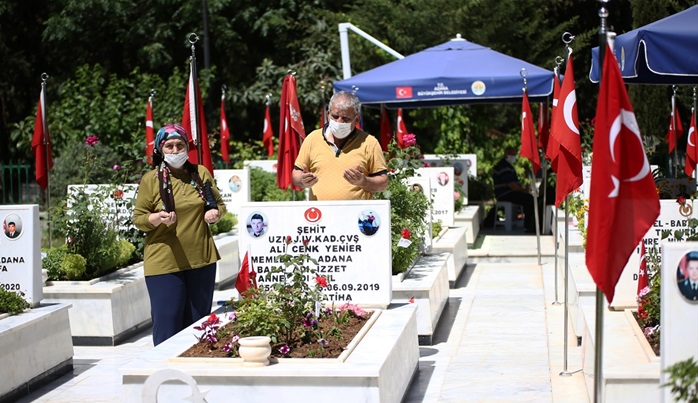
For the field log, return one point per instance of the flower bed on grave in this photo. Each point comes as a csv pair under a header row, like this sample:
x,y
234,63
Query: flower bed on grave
x,y
289,312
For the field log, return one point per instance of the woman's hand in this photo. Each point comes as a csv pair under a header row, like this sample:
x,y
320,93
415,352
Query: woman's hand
x,y
163,217
211,216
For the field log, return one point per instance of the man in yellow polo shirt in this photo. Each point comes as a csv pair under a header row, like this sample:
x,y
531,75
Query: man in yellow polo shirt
x,y
340,161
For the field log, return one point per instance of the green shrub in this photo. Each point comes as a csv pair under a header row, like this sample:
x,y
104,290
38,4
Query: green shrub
x,y
125,250
263,187
683,380
53,260
227,222
436,227
73,267
11,302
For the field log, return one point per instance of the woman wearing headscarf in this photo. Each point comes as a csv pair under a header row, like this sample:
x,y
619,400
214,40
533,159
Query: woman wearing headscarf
x,y
174,206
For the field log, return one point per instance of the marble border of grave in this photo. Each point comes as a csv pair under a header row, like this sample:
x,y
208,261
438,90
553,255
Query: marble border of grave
x,y
35,348
452,241
426,286
628,374
229,265
379,369
470,217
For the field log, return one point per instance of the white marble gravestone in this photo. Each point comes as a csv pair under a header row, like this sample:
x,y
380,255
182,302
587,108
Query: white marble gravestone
x,y
234,186
20,252
442,187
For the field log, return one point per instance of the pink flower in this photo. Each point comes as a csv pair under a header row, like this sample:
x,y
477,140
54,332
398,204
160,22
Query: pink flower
x,y
116,167
406,233
456,195
92,140
409,139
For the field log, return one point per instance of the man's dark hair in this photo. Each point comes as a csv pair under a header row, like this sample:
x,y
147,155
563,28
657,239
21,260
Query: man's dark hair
x,y
691,256
256,216
12,223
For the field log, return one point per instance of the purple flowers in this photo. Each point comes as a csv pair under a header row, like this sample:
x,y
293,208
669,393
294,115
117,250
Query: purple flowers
x,y
309,320
323,342
284,349
91,140
116,167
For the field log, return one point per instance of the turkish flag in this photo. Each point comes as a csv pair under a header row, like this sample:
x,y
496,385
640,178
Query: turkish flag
x,y
268,133
624,202
543,127
553,148
149,131
41,142
386,133
642,279
691,149
401,129
672,136
246,277
566,133
225,132
529,148
197,132
291,133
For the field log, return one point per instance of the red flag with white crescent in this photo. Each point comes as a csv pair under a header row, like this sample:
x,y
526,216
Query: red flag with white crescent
x,y
529,144
197,132
623,192
401,129
225,132
268,133
246,277
41,143
566,133
673,136
691,148
386,133
291,133
149,131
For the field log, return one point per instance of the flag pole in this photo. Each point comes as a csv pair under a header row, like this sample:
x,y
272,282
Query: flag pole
x,y
193,38
675,159
44,128
598,350
567,38
223,88
558,62
524,73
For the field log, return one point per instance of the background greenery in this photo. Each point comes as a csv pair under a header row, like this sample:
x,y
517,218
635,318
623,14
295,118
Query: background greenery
x,y
104,57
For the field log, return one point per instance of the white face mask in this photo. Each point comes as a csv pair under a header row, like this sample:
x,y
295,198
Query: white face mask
x,y
511,159
340,130
176,160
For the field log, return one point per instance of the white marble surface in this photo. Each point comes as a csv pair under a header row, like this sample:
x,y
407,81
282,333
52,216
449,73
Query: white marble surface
x,y
379,369
33,343
452,241
105,309
96,377
470,217
427,285
628,374
229,265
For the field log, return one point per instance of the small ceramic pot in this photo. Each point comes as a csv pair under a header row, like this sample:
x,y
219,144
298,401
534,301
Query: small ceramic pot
x,y
255,351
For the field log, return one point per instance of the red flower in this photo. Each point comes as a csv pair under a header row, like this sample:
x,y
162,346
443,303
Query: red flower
x,y
213,319
406,233
288,239
92,140
321,281
681,200
426,165
305,242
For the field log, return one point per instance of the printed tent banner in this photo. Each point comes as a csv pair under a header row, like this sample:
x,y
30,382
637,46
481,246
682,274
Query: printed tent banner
x,y
454,72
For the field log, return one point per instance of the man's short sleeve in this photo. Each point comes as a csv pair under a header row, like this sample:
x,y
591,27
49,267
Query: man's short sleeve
x,y
377,161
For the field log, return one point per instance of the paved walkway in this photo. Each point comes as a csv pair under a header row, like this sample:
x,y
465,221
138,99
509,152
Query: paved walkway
x,y
500,338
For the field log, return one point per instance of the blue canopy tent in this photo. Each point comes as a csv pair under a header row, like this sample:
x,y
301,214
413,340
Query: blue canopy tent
x,y
663,52
455,72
